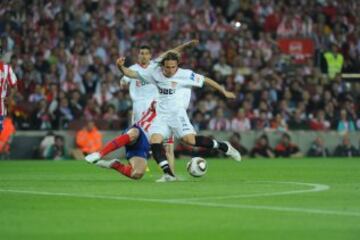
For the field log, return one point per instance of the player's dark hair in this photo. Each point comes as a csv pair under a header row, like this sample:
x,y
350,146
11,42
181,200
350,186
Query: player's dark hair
x,y
146,47
169,56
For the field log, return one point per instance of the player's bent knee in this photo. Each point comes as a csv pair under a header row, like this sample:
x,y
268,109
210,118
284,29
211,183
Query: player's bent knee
x,y
189,139
156,138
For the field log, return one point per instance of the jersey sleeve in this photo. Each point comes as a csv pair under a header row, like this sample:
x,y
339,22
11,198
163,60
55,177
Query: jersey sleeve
x,y
193,79
125,79
11,77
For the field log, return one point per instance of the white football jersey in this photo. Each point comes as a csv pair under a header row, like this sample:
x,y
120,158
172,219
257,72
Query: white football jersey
x,y
141,89
174,92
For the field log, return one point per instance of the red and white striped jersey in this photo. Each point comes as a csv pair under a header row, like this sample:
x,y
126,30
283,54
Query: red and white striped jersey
x,y
7,78
147,118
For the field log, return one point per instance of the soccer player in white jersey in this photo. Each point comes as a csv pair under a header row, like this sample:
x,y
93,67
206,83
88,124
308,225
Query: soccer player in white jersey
x,y
171,115
7,79
143,94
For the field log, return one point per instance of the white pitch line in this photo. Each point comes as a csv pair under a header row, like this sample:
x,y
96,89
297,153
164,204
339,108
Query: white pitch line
x,y
315,187
189,203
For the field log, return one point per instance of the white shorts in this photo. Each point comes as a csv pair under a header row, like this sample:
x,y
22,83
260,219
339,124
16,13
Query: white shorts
x,y
172,124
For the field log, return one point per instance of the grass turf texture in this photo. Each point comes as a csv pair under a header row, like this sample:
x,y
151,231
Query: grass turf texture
x,y
75,200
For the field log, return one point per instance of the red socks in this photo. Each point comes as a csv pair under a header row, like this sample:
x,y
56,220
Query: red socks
x,y
122,168
114,144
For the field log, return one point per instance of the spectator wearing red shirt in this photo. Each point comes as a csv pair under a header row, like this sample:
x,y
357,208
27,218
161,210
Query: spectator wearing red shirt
x,y
262,148
319,123
286,148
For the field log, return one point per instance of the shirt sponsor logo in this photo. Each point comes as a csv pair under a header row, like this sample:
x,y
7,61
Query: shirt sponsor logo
x,y
166,91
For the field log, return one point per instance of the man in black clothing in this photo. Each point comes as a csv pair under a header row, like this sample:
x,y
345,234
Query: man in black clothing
x,y
346,149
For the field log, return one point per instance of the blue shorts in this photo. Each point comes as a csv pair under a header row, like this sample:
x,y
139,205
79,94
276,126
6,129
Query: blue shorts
x,y
140,148
1,122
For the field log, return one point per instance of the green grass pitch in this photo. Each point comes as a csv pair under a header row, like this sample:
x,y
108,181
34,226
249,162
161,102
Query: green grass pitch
x,y
254,199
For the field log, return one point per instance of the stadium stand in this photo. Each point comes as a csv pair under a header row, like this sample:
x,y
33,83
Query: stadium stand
x,y
61,48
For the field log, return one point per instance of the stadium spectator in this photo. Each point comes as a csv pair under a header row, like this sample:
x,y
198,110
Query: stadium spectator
x,y
319,123
279,123
88,140
110,114
345,124
222,69
240,123
334,61
75,104
73,47
262,148
45,144
219,122
346,149
41,117
198,121
318,149
235,140
285,148
262,122
56,151
297,121
6,137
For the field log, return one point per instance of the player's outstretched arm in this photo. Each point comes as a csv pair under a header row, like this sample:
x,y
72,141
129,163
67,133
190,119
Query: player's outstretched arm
x,y
126,71
221,89
181,47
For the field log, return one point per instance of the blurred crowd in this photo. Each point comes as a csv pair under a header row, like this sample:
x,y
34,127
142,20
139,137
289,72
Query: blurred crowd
x,y
64,54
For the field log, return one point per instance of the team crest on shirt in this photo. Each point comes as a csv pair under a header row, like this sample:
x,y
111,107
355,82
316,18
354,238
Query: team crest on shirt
x,y
173,84
197,78
140,83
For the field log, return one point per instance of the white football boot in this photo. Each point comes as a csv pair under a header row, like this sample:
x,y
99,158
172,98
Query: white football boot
x,y
232,152
93,157
166,178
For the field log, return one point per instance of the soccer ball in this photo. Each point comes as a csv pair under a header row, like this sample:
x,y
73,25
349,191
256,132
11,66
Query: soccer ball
x,y
196,167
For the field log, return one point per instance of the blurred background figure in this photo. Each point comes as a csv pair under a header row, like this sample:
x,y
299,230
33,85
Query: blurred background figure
x,y
345,124
45,144
346,149
88,140
286,148
219,122
6,137
262,148
57,150
318,149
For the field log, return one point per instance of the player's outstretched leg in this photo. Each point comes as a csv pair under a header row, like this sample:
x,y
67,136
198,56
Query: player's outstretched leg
x,y
116,143
211,143
134,170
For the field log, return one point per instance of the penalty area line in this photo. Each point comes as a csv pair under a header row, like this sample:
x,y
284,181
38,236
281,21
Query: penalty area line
x,y
315,187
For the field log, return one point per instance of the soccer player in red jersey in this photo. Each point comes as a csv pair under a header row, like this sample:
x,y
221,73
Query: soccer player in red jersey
x,y
137,147
7,79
